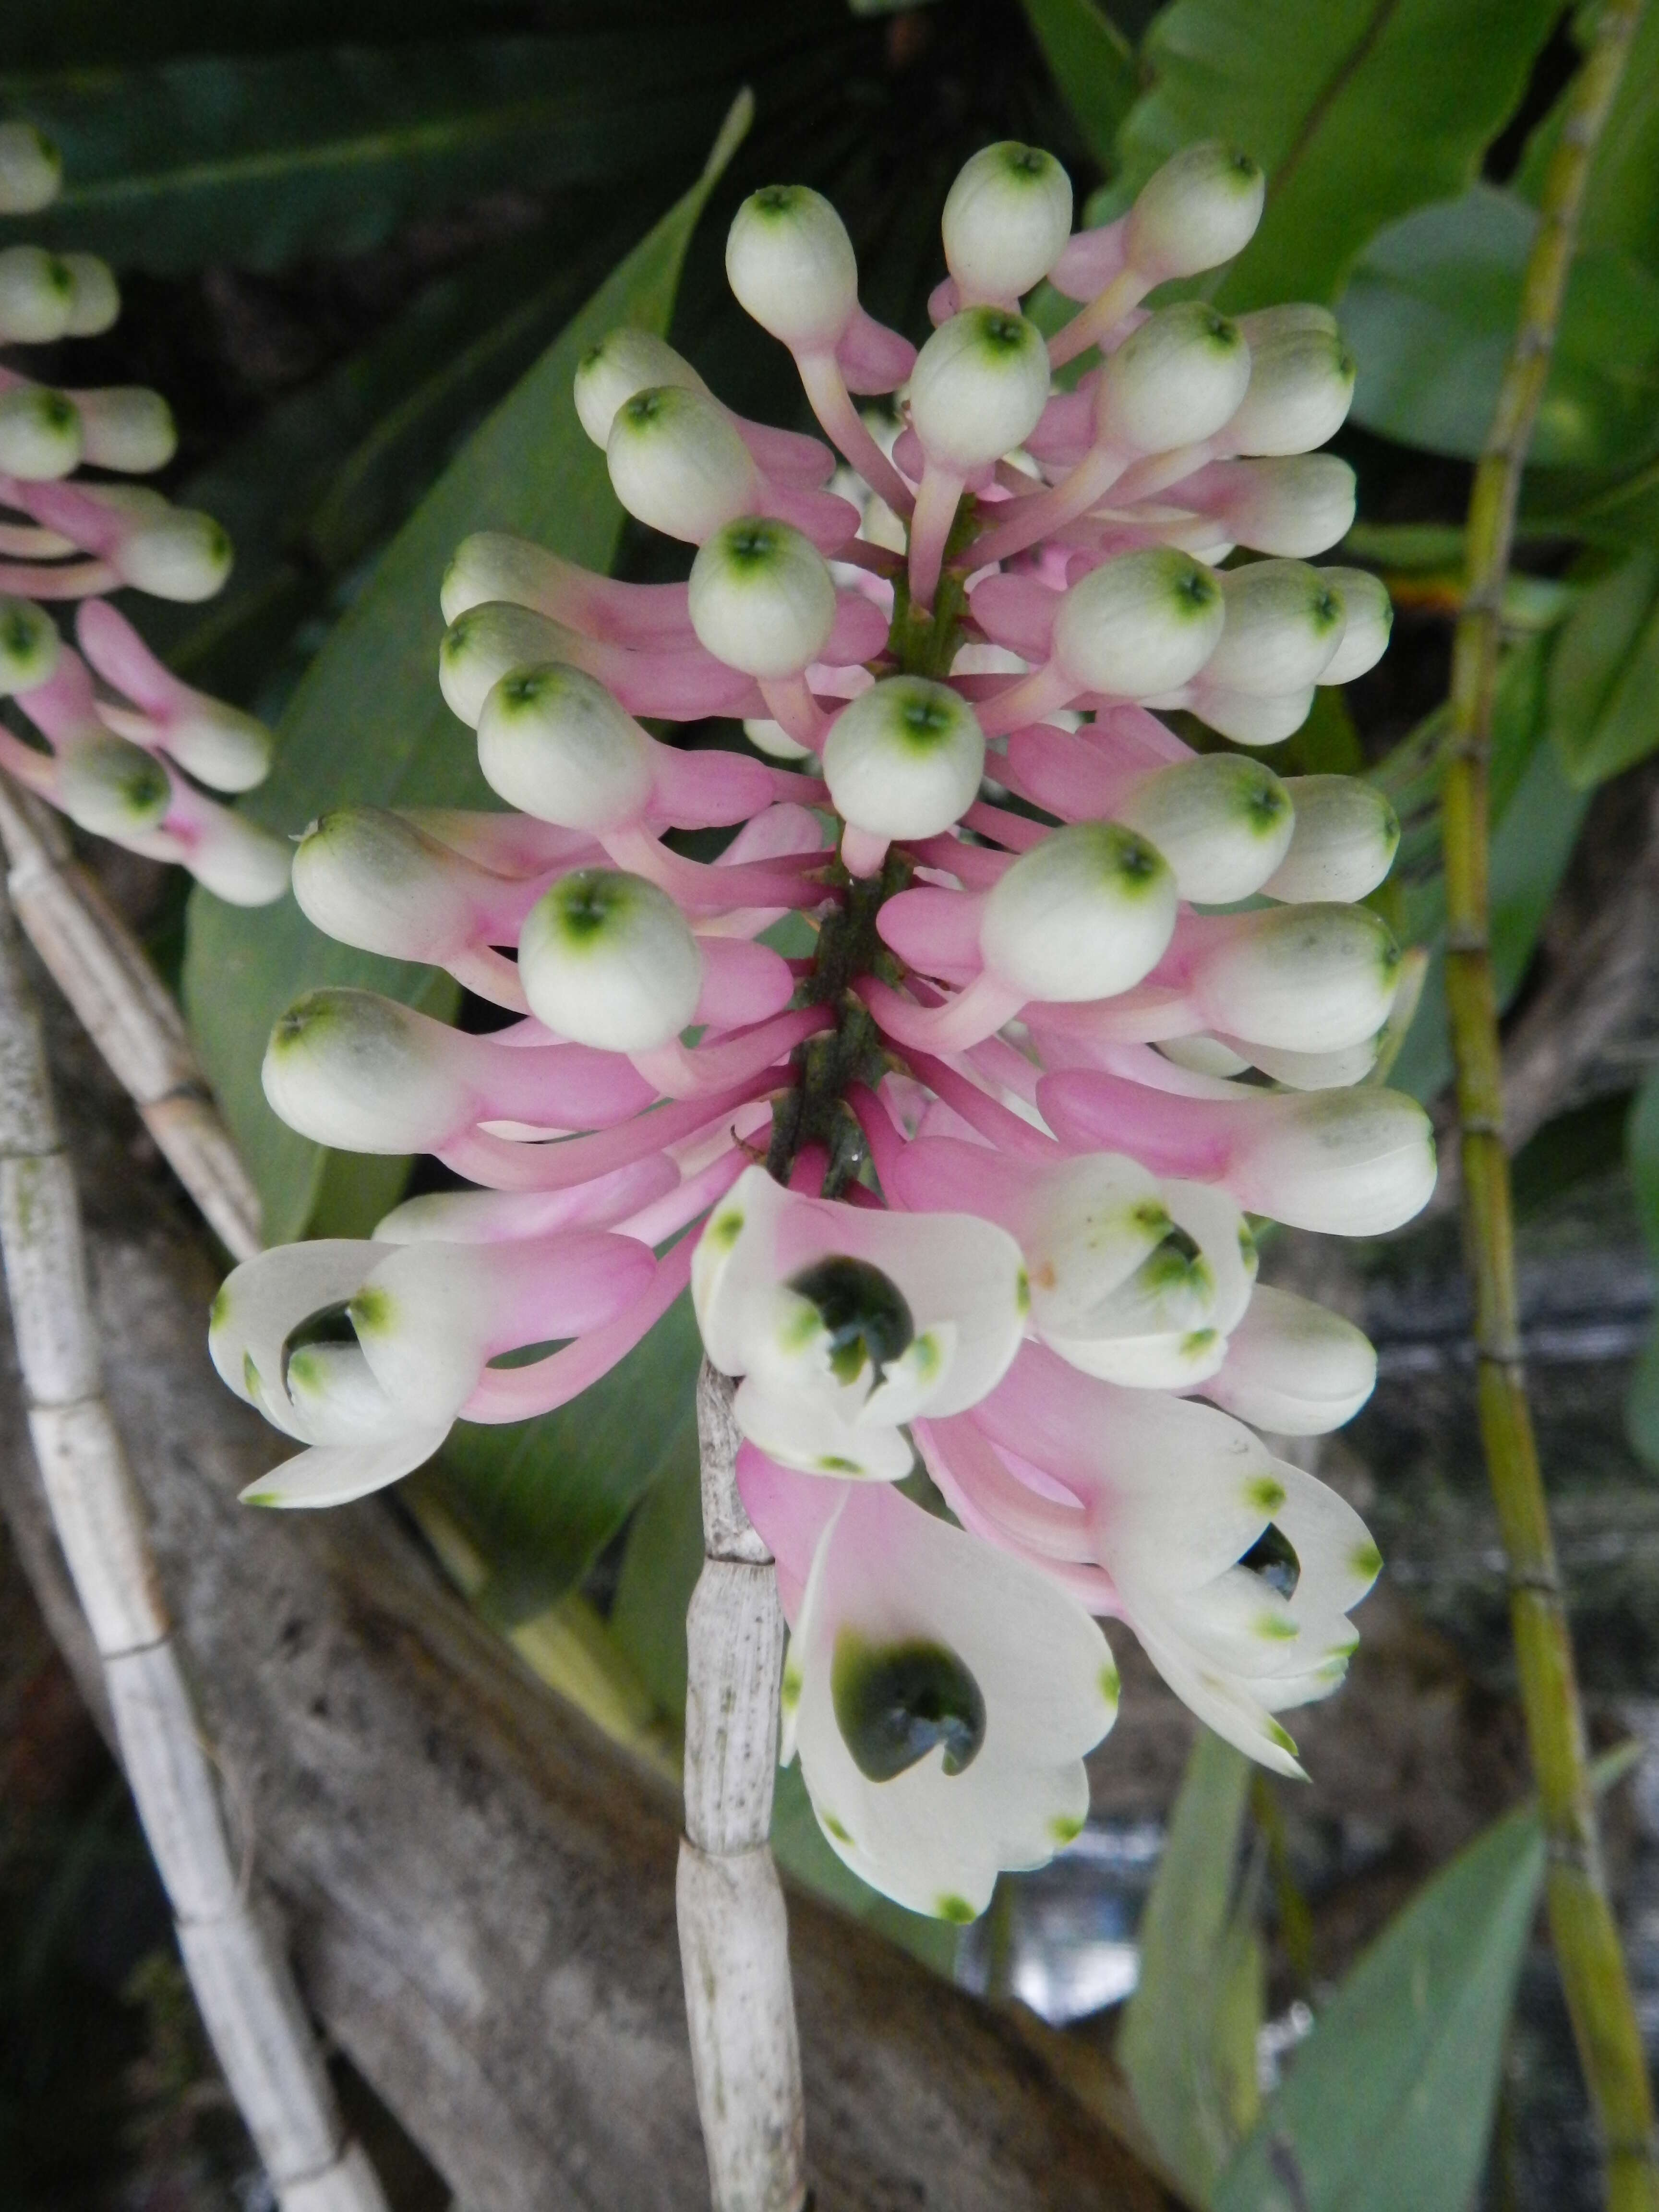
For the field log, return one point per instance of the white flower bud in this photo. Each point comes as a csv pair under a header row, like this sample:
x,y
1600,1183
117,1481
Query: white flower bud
x,y
181,555
1354,1163
1344,843
628,361
1246,717
127,426
112,786
1370,617
905,759
37,291
219,743
677,464
39,434
979,387
762,598
609,960
96,303
370,877
493,565
1295,507
1223,823
31,169
239,862
1085,914
1197,211
1314,978
486,642
1140,625
1301,388
29,645
554,743
791,264
1292,1368
358,1071
1315,1071
1284,624
1173,382
1006,219
769,737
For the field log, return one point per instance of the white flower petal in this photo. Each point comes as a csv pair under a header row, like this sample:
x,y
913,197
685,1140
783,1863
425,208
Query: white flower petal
x,y
264,1301
333,1475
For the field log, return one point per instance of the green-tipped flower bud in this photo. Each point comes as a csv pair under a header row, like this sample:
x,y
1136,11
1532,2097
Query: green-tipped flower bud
x,y
1344,843
37,292
373,879
626,362
1314,978
791,264
1173,382
31,169
1294,1368
181,555
40,433
1085,914
1301,387
96,303
239,862
127,426
555,743
762,598
609,960
486,642
28,646
113,787
1140,625
979,386
351,1069
905,758
1197,211
1365,635
1223,823
1006,218
1285,622
1294,506
677,464
1249,718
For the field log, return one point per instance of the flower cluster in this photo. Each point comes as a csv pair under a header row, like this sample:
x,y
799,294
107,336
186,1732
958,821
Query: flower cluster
x,y
120,738
976,1048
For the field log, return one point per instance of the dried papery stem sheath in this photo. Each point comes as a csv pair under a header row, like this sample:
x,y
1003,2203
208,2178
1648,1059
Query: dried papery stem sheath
x,y
121,1003
1586,1935
246,1994
734,1945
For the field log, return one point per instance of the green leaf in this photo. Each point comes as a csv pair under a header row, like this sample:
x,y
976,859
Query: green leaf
x,y
258,159
1091,63
1389,2101
1188,2038
369,724
1641,1157
1430,315
1621,196
1358,111
541,1498
1604,677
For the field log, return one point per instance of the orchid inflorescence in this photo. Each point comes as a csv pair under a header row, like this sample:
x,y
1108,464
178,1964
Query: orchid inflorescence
x,y
952,1050
120,738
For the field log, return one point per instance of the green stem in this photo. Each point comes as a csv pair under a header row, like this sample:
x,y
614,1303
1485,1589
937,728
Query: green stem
x,y
1586,1936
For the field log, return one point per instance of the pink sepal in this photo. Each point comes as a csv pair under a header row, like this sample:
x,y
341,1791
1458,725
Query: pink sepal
x,y
1066,428
871,357
509,1163
792,1512
934,930
828,521
1016,611
742,983
789,456
1089,261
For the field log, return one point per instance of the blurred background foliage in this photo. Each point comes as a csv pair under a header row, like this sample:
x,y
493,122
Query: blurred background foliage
x,y
363,245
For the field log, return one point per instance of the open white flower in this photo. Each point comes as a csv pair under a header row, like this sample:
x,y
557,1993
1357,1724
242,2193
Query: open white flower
x,y
845,1322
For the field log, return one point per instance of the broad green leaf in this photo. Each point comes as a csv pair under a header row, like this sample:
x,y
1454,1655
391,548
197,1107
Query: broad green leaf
x,y
1612,508
1430,314
1187,2042
1604,676
1621,198
1092,64
541,1498
1390,2102
369,724
258,159
1359,110
1641,1157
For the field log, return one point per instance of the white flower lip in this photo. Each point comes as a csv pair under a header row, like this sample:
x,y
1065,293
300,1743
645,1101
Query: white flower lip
x,y
979,387
791,264
554,743
609,960
1175,381
677,464
1083,916
762,598
905,758
1006,218
1140,625
624,362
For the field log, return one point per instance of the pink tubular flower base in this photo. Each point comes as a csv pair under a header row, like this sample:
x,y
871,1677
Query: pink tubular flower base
x,y
954,1086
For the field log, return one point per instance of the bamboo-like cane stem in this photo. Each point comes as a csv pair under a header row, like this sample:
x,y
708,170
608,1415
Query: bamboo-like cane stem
x,y
734,1938
247,1999
1586,1936
121,1003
